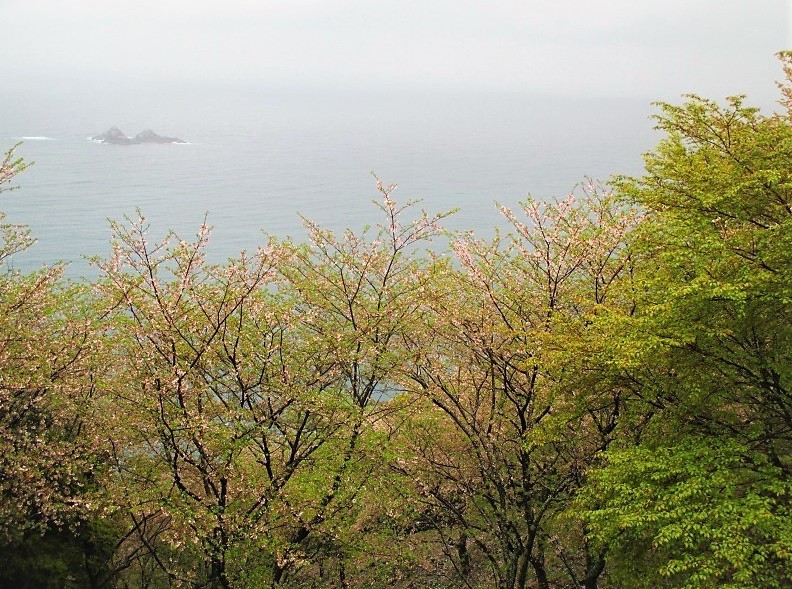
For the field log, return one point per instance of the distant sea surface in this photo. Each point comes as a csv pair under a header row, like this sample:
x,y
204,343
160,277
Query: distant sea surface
x,y
258,160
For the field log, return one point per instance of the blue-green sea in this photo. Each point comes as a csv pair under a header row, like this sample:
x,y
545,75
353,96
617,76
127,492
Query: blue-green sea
x,y
258,159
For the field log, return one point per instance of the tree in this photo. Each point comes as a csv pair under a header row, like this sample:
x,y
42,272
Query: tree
x,y
357,296
509,430
704,496
49,466
245,415
15,238
217,408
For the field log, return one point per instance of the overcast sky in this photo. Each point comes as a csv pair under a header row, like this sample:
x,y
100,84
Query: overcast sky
x,y
640,48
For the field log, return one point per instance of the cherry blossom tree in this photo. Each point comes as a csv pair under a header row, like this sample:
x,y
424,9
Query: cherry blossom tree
x,y
211,408
357,296
50,466
514,427
240,394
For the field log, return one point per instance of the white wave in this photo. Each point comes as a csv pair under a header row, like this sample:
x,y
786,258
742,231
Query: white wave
x,y
36,138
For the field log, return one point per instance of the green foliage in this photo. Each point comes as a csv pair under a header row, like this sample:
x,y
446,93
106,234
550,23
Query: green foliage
x,y
702,499
10,167
13,238
51,534
698,512
47,462
507,428
600,397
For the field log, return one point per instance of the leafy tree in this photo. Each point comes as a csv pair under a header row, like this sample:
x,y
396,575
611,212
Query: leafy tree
x,y
49,465
704,497
215,409
245,414
356,296
508,431
15,238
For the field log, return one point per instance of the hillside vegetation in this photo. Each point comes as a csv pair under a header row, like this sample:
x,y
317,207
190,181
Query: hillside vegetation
x,y
597,397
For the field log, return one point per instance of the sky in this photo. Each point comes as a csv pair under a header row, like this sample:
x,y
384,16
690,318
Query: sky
x,y
627,48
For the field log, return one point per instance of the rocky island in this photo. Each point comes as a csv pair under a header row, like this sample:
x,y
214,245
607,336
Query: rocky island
x,y
116,136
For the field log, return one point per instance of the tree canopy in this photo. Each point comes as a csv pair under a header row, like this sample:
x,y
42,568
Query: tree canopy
x,y
598,396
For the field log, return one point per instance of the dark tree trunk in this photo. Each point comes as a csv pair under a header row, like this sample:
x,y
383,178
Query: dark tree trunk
x,y
462,554
594,567
217,574
541,574
522,572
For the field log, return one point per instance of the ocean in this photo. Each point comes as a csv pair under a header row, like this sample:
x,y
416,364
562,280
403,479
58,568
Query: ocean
x,y
258,160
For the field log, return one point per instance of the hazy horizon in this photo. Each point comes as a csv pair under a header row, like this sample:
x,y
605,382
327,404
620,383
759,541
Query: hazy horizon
x,y
291,104
618,48
261,163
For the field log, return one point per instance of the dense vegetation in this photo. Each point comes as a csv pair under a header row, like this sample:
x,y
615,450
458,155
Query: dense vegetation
x,y
599,397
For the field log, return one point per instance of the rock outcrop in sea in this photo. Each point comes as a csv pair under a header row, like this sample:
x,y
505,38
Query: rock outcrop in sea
x,y
116,136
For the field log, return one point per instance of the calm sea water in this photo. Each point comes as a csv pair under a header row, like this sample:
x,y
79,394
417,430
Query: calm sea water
x,y
257,160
